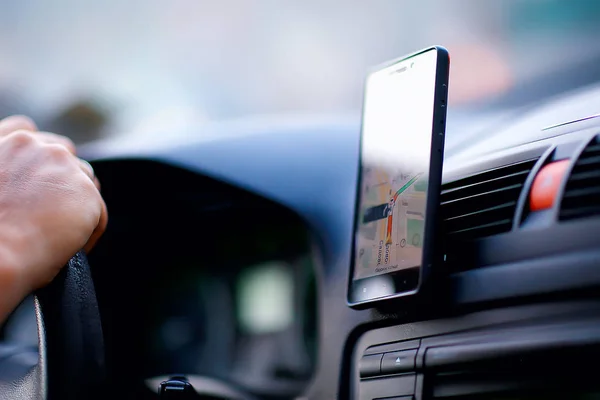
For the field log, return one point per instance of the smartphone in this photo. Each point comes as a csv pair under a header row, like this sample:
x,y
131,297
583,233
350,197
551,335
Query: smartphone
x,y
395,241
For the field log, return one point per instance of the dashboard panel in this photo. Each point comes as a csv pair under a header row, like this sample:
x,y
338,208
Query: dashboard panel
x,y
508,263
199,278
504,247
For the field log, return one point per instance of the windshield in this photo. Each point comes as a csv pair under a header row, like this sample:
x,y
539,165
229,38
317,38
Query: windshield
x,y
105,68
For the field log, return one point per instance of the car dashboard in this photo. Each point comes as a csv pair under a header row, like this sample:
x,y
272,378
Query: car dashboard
x,y
226,260
513,269
517,314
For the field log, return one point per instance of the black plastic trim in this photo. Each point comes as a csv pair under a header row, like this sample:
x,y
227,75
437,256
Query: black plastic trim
x,y
533,243
513,343
370,365
524,329
532,277
393,386
394,346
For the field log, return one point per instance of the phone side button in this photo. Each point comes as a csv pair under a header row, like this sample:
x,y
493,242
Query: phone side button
x,y
370,365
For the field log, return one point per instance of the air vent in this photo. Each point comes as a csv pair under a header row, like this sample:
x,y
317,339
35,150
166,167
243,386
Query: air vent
x,y
582,193
483,204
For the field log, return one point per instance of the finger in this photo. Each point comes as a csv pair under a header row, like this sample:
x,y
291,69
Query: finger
x,y
47,138
102,223
89,171
53,138
87,168
15,123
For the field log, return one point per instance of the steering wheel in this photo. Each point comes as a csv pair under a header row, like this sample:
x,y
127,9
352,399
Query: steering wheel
x,y
70,362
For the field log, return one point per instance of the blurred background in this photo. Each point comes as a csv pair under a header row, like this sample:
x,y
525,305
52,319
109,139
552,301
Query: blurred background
x,y
93,69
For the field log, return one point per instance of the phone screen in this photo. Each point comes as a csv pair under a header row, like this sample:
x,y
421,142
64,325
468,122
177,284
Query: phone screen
x,y
395,156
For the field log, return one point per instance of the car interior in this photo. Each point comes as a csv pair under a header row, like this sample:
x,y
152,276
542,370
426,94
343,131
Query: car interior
x,y
225,266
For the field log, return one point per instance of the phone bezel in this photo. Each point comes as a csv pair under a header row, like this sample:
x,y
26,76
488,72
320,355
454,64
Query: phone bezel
x,y
431,254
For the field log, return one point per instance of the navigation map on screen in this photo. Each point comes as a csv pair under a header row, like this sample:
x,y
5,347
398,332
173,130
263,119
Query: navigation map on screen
x,y
391,236
396,144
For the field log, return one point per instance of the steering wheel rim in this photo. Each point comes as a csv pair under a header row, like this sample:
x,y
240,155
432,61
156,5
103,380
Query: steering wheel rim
x,y
69,322
70,363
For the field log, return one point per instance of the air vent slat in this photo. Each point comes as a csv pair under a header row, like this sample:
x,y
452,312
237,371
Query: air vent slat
x,y
594,148
581,197
589,191
504,222
583,176
496,191
493,181
580,212
479,212
480,205
588,161
491,173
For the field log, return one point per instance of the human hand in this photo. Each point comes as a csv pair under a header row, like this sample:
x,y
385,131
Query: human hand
x,y
50,206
